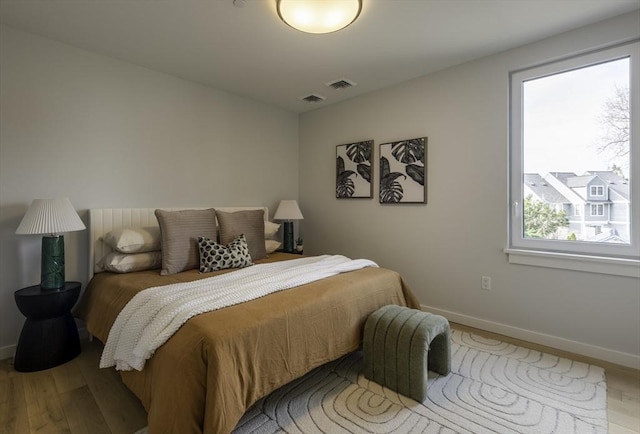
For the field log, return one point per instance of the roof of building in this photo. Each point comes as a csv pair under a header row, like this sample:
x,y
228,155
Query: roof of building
x,y
578,181
543,190
609,235
562,176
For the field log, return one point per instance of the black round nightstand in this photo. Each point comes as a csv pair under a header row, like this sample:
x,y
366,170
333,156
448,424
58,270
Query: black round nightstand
x,y
49,336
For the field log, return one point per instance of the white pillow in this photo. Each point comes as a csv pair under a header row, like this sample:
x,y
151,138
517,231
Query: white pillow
x,y
270,230
117,262
271,246
134,240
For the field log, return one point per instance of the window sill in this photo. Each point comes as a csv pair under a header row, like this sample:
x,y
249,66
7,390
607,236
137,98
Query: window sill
x,y
568,261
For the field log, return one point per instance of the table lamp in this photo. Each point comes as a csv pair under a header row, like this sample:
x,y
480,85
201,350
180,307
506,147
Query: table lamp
x,y
51,218
288,210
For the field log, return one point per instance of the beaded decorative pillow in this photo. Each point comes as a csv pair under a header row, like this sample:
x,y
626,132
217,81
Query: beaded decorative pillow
x,y
216,256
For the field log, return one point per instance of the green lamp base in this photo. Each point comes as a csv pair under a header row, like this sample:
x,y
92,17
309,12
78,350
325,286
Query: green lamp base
x,y
288,237
52,263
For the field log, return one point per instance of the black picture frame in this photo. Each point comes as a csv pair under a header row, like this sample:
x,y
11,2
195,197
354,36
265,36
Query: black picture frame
x,y
354,170
403,171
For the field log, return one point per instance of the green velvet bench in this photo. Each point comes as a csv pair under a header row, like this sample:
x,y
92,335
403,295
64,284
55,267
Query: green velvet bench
x,y
400,344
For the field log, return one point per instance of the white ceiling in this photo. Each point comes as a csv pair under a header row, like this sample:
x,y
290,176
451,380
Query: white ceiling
x,y
249,51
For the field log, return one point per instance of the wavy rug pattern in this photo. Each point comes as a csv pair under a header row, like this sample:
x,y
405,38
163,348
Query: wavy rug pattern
x,y
493,387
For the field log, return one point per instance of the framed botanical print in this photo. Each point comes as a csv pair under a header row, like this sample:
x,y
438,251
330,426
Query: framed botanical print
x,y
403,171
354,170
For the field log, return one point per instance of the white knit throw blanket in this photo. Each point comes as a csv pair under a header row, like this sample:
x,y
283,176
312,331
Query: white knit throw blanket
x,y
153,315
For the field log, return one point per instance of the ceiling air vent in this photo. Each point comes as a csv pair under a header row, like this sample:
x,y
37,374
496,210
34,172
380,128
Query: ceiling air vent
x,y
341,83
312,98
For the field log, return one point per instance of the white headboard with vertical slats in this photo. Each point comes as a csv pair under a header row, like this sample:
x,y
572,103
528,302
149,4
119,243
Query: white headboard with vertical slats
x,y
104,220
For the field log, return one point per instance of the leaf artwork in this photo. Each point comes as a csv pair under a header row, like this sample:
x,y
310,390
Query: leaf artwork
x,y
416,173
359,152
391,190
354,159
403,171
408,151
365,171
344,184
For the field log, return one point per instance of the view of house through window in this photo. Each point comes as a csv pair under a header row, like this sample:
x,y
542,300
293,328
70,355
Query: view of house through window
x,y
576,155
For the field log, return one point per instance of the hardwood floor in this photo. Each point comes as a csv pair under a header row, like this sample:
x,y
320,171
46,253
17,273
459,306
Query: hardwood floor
x,y
78,397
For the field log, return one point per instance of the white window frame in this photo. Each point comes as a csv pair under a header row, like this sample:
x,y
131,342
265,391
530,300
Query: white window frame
x,y
599,207
597,188
605,258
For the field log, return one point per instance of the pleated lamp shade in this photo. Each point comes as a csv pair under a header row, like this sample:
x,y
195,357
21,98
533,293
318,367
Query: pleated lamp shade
x,y
50,216
288,210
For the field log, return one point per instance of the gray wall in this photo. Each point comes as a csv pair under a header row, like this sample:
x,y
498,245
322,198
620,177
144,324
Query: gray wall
x,y
443,248
110,134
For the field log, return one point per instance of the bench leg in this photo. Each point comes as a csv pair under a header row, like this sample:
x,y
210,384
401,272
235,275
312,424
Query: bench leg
x,y
439,357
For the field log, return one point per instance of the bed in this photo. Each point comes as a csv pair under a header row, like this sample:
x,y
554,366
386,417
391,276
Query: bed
x,y
219,363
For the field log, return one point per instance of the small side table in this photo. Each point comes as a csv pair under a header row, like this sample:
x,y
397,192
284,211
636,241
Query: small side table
x,y
49,336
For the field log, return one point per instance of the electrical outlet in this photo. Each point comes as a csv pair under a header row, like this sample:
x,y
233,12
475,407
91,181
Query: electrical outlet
x,y
486,282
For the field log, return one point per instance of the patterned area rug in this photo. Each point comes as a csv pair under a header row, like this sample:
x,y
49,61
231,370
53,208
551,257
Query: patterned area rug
x,y
494,387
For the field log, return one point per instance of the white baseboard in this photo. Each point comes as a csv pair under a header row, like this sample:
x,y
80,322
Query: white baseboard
x,y
7,352
607,355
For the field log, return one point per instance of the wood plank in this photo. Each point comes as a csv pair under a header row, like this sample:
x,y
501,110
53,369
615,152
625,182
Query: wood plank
x,y
13,407
122,411
617,429
624,413
43,403
4,390
625,381
82,412
68,377
5,368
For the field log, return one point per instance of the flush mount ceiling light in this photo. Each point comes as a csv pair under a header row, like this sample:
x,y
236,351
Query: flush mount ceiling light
x,y
319,16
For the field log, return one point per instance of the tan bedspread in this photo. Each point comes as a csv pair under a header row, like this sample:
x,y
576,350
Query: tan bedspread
x,y
209,373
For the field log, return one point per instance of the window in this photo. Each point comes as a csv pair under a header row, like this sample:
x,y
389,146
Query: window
x,y
577,209
570,123
597,209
